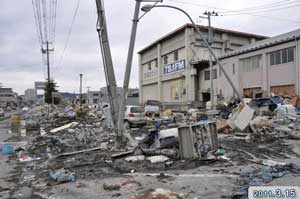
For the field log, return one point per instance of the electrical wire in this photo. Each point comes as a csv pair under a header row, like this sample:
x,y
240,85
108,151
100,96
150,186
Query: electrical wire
x,y
44,7
69,34
45,23
265,6
39,35
251,14
263,10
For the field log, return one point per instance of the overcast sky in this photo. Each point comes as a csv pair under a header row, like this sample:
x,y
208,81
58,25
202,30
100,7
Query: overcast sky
x,y
20,56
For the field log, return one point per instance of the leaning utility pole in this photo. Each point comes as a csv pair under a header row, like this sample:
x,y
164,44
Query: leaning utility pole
x,y
134,26
128,69
210,41
107,62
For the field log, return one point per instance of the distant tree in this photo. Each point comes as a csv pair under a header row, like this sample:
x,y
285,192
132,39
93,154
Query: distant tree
x,y
50,88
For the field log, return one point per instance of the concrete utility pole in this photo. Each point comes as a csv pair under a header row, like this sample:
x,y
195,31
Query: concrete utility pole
x,y
135,21
210,41
107,62
128,68
80,90
47,51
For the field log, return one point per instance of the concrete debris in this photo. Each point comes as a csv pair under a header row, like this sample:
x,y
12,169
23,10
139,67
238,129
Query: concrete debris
x,y
62,175
295,134
282,128
135,158
285,110
160,194
66,141
104,145
260,122
26,158
241,119
67,126
157,159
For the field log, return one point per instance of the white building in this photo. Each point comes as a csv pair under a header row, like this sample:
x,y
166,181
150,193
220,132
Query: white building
x,y
270,65
93,97
30,95
7,97
172,68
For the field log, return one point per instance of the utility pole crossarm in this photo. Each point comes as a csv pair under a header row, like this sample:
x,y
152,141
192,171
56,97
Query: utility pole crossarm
x,y
47,51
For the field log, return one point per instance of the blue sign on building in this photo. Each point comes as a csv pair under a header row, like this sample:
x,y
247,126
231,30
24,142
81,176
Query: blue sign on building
x,y
177,66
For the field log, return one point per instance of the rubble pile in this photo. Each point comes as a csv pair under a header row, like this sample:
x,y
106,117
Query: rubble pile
x,y
64,145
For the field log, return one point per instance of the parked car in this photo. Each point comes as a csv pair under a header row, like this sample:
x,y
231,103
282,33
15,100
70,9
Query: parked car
x,y
2,113
134,116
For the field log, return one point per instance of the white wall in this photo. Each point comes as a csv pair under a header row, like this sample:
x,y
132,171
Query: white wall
x,y
266,76
150,92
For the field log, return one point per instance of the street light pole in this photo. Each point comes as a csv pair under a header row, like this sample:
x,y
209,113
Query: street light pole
x,y
147,8
128,69
128,66
80,90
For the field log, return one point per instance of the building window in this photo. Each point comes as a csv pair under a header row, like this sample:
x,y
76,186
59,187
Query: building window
x,y
214,74
220,72
95,101
149,66
166,59
251,63
290,54
176,55
256,62
272,59
282,56
278,57
207,75
233,69
156,63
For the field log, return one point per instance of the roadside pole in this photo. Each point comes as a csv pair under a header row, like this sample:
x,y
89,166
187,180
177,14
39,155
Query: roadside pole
x,y
210,41
128,70
80,91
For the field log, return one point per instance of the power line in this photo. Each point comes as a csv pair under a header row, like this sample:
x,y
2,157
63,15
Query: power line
x,y
251,14
264,10
39,35
45,20
69,34
265,6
